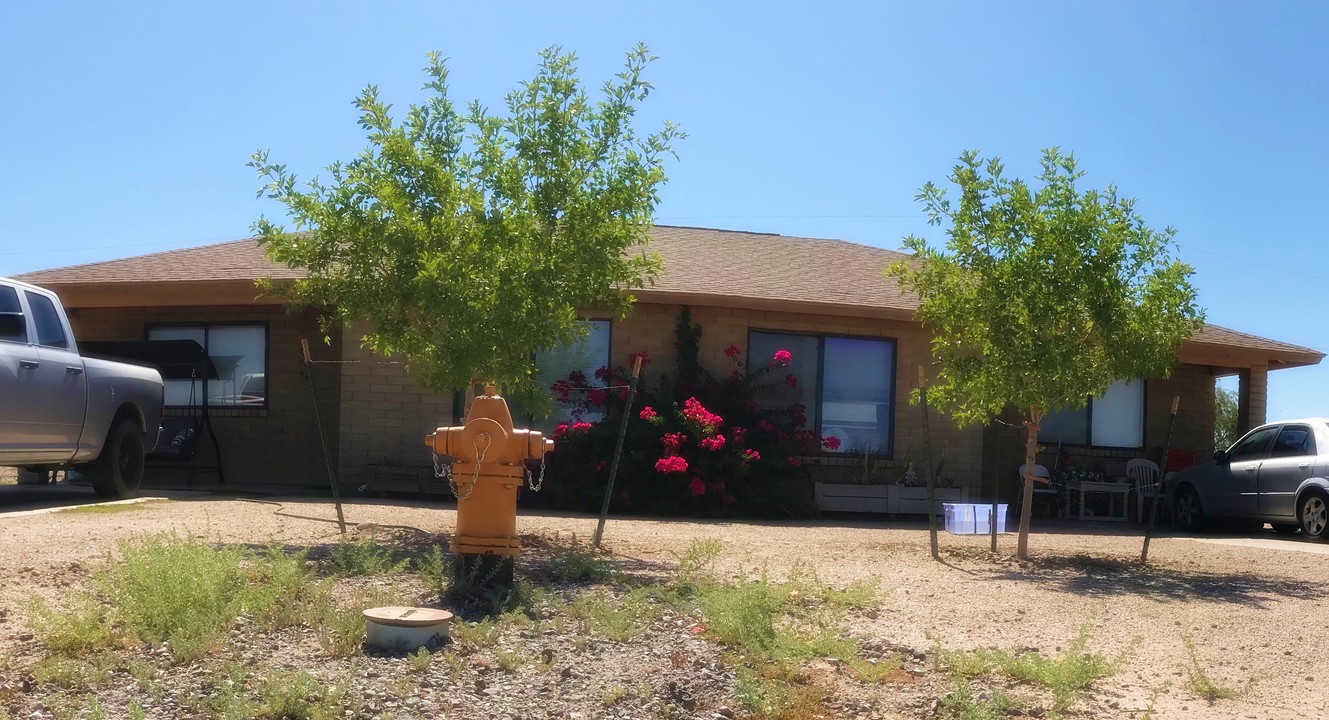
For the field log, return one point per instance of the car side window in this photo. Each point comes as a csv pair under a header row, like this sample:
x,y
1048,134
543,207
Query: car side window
x,y
9,304
1292,441
1253,446
46,320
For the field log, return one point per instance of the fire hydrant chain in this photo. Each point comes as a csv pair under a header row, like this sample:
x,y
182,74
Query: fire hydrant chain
x,y
440,471
536,484
475,477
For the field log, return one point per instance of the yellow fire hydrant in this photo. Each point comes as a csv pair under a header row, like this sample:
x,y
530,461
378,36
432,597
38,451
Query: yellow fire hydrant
x,y
488,458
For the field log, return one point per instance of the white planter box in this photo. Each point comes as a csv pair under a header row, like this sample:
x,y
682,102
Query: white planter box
x,y
843,497
914,500
887,499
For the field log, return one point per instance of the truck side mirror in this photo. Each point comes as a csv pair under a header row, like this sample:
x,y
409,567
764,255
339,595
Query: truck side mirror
x,y
1220,457
12,325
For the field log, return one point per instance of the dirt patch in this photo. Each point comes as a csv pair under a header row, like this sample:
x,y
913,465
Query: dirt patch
x,y
1244,610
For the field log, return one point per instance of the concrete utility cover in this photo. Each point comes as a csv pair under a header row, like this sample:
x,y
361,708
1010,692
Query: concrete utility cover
x,y
407,616
1306,546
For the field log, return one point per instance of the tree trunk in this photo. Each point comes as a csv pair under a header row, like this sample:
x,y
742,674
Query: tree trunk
x,y
1027,501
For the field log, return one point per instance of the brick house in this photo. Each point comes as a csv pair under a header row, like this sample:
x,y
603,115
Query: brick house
x,y
856,344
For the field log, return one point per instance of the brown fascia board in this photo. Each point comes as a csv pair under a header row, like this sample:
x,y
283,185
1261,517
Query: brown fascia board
x,y
160,294
669,297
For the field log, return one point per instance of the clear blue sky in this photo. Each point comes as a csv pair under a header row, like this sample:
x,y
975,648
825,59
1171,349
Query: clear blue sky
x,y
127,126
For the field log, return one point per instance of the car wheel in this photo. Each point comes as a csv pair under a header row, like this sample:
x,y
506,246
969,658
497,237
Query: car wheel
x,y
1186,509
118,471
1285,528
1313,512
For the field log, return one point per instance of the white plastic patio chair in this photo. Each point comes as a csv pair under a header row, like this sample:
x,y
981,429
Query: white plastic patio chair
x,y
1145,475
1044,490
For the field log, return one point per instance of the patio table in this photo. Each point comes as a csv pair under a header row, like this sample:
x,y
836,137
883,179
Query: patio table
x,y
1118,496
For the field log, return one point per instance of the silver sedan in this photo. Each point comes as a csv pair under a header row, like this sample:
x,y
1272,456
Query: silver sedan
x,y
1277,473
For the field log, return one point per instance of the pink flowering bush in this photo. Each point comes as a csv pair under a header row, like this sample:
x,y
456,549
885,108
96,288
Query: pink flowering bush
x,y
696,445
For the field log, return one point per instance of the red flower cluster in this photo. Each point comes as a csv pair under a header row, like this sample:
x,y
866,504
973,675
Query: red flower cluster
x,y
697,487
597,396
781,357
695,412
563,428
648,413
789,380
712,443
645,359
671,464
673,440
751,455
732,352
831,442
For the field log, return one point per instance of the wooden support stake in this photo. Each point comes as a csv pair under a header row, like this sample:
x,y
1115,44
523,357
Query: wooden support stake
x,y
322,439
932,482
618,454
1160,491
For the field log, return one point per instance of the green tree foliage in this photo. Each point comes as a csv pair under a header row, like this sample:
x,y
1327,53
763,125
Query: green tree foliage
x,y
1225,417
1043,295
469,240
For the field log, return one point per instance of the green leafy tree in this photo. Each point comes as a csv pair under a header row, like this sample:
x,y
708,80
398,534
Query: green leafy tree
x,y
1043,295
1225,417
470,240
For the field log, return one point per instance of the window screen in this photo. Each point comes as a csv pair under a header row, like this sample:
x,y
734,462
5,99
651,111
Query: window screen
x,y
238,354
846,384
1116,419
46,321
9,304
585,356
804,365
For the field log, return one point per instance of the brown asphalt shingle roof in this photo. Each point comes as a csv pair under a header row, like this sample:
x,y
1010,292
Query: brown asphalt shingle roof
x,y
699,262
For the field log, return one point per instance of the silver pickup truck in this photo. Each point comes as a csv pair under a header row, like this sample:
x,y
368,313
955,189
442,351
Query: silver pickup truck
x,y
61,410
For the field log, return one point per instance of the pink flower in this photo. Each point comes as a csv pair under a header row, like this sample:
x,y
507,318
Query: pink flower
x,y
560,429
782,357
580,426
697,630
601,372
577,377
673,440
695,412
671,464
647,413
733,351
831,442
751,455
697,487
789,380
712,443
597,397
728,499
795,461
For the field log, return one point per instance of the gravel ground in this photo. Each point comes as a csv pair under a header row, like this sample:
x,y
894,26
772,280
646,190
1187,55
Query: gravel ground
x,y
1253,614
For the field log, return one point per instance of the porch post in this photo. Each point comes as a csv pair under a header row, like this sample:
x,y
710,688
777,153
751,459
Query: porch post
x,y
1252,397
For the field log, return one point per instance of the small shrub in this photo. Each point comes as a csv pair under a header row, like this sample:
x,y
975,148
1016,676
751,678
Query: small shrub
x,y
1066,676
1199,681
617,618
961,704
364,557
575,564
435,571
420,660
78,628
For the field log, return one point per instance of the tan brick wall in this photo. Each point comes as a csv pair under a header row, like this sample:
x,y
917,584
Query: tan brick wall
x,y
277,445
385,414
650,328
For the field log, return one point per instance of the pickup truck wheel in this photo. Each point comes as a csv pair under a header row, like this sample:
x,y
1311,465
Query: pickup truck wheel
x,y
118,471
